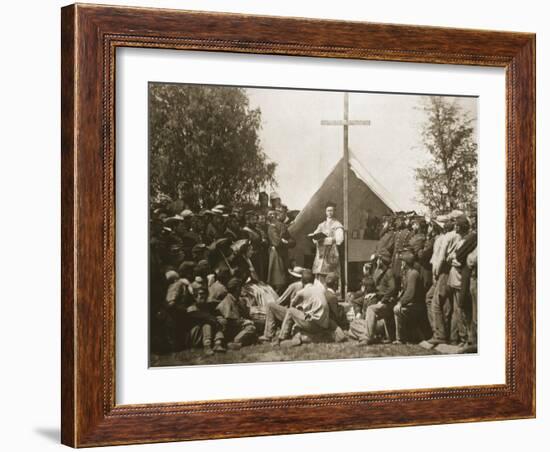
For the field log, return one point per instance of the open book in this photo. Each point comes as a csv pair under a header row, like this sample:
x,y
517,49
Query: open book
x,y
317,235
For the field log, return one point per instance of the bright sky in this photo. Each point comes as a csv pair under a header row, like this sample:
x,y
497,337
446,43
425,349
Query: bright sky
x,y
390,148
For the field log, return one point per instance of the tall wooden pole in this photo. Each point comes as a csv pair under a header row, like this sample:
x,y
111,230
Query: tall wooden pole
x,y
346,190
346,123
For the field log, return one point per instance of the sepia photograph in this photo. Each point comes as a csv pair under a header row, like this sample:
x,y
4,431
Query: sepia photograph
x,y
292,225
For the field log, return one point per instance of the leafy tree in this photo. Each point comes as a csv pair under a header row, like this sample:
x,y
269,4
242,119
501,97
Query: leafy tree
x,y
449,179
204,145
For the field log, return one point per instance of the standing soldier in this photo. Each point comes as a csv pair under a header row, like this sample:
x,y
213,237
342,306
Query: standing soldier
x,y
387,237
402,237
277,271
459,329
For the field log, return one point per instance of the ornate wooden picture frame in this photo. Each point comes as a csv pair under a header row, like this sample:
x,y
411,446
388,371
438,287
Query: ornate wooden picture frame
x,y
90,37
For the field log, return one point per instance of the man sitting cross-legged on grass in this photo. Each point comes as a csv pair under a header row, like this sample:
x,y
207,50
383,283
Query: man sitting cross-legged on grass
x,y
308,310
238,329
202,325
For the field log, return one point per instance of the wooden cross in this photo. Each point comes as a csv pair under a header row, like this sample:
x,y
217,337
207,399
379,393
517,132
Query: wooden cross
x,y
346,123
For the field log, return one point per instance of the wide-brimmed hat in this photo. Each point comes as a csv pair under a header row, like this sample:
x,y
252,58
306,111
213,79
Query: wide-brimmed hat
x,y
456,214
172,275
199,247
274,195
296,271
174,219
201,267
239,245
218,243
219,209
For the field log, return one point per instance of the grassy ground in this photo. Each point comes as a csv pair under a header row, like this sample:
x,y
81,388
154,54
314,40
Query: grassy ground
x,y
268,353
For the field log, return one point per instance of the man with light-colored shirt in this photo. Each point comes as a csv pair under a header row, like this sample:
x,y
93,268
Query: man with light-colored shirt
x,y
459,328
308,310
293,288
442,307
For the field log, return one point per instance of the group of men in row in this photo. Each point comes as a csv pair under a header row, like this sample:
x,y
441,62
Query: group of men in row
x,y
422,283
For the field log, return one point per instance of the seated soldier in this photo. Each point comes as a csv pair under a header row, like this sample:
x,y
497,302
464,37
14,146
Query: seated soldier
x,y
173,310
238,329
338,320
218,289
309,312
185,271
202,325
409,308
364,297
365,330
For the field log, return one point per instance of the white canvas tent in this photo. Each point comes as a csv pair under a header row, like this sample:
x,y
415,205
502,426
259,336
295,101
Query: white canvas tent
x,y
367,197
